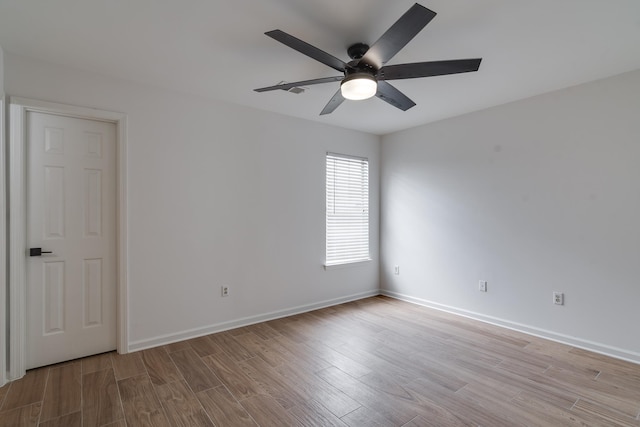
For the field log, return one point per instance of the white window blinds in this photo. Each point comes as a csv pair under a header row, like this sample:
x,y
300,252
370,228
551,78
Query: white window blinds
x,y
347,209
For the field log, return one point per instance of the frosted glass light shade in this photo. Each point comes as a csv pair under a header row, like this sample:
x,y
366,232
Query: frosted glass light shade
x,y
359,86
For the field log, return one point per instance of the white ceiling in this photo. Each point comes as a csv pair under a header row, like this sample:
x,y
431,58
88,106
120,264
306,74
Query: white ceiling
x,y
217,49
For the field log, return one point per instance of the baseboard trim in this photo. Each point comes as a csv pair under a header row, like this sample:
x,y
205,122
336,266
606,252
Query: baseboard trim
x,y
595,347
244,321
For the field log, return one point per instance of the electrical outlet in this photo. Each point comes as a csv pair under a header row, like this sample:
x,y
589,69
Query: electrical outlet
x,y
396,270
482,286
558,298
224,291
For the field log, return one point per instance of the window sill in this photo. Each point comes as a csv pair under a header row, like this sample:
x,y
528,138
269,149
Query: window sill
x,y
346,264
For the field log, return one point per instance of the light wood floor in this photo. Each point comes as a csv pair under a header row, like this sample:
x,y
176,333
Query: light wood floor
x,y
374,362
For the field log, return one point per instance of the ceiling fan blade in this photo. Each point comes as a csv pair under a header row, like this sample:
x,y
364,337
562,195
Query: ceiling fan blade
x,y
398,35
393,96
428,69
287,86
307,49
333,103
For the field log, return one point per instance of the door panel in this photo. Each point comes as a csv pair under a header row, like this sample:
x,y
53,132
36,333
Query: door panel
x,y
71,211
53,297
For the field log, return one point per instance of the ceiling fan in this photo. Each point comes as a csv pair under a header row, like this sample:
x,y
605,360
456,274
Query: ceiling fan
x,y
366,75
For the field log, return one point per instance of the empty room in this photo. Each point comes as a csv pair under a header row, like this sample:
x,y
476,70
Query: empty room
x,y
330,213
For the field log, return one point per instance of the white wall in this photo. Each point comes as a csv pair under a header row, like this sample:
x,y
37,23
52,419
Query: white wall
x,y
536,196
218,194
1,71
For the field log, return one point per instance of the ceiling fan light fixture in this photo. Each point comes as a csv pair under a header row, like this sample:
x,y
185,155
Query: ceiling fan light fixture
x,y
358,86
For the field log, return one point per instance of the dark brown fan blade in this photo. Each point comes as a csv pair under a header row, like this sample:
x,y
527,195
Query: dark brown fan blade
x,y
393,96
428,69
333,103
287,86
307,49
396,37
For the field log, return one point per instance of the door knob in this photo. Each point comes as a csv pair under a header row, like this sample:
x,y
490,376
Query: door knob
x,y
38,252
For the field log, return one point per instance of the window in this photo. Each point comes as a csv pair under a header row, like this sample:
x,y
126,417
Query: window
x,y
347,209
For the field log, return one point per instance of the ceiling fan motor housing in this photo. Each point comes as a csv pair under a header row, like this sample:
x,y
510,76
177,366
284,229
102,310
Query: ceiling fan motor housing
x,y
357,51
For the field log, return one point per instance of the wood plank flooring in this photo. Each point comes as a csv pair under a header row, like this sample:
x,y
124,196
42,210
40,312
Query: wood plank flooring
x,y
373,362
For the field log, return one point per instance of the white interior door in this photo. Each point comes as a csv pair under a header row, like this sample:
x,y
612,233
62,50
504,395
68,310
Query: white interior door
x,y
71,212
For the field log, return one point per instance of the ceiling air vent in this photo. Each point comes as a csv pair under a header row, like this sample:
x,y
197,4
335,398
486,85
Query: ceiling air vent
x,y
294,89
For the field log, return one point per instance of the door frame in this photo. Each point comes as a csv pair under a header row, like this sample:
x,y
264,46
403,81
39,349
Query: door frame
x,y
3,247
18,109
